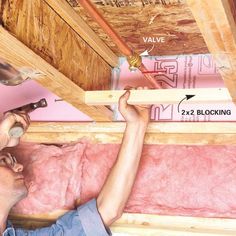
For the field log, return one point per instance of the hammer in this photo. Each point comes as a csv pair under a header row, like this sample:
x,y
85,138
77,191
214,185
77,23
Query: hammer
x,y
17,129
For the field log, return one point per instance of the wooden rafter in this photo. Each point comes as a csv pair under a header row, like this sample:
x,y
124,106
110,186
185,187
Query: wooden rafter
x,y
195,133
19,55
158,96
66,12
218,27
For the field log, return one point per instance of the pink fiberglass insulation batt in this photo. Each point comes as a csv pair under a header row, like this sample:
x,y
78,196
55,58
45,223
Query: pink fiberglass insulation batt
x,y
172,179
53,176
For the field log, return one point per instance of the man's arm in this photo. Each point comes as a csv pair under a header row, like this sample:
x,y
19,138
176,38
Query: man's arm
x,y
111,201
117,188
6,124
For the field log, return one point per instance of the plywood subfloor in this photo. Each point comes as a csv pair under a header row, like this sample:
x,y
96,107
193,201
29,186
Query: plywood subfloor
x,y
135,19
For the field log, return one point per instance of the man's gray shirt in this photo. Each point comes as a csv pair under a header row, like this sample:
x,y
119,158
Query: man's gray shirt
x,y
85,221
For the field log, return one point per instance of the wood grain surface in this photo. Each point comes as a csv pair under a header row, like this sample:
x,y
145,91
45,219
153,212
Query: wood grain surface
x,y
36,25
136,19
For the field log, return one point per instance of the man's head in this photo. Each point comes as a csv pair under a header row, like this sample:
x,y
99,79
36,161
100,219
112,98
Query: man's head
x,y
12,185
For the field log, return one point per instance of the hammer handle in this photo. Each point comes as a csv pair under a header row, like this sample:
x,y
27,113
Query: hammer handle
x,y
17,130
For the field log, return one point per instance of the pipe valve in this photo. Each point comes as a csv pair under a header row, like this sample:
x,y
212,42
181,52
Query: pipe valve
x,y
135,61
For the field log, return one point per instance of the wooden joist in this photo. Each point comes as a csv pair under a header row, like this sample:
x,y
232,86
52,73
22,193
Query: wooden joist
x,y
216,22
19,55
191,133
158,96
153,225
158,138
69,15
119,127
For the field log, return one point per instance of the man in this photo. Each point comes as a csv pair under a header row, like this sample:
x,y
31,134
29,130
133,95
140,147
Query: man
x,y
94,217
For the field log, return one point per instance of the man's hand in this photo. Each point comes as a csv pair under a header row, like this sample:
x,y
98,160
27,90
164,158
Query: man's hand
x,y
134,113
7,123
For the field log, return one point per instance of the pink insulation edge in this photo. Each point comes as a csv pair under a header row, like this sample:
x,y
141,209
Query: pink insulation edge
x,y
183,71
31,91
172,179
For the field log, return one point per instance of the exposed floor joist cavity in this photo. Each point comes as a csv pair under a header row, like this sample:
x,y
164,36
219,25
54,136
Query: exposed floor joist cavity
x,y
158,96
217,25
19,55
41,29
66,12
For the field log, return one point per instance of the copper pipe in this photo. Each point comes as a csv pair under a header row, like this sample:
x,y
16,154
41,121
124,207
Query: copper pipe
x,y
123,47
93,12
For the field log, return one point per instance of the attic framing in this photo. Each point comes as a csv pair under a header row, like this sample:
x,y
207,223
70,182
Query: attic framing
x,y
64,10
19,55
217,25
221,44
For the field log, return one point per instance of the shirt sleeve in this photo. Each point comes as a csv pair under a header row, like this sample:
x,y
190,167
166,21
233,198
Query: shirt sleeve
x,y
85,221
91,220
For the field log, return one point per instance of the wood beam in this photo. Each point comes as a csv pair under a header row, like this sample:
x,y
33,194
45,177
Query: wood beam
x,y
191,133
159,138
216,23
176,222
147,224
158,96
119,127
144,230
69,15
19,55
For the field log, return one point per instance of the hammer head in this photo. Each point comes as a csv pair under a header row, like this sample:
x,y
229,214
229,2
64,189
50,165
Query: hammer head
x,y
30,107
41,103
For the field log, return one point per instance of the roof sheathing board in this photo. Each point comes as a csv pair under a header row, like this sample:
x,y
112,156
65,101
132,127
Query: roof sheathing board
x,y
136,20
